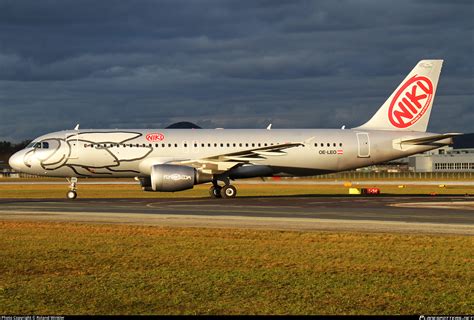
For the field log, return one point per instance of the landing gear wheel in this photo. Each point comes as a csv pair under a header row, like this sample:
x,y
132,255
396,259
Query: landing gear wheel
x,y
228,192
215,192
71,195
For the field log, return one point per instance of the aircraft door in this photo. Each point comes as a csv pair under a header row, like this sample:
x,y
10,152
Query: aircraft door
x,y
73,141
363,143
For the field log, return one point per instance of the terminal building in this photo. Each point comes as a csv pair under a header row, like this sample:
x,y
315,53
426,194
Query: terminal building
x,y
443,160
456,158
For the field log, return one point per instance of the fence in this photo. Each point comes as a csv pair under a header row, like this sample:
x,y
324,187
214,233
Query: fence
x,y
357,175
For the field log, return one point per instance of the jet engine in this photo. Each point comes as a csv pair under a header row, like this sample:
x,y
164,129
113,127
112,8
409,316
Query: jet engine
x,y
170,178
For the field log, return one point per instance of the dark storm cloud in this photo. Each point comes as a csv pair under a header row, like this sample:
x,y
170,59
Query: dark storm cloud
x,y
225,63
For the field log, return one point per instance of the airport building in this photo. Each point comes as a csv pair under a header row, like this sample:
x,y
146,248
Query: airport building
x,y
443,160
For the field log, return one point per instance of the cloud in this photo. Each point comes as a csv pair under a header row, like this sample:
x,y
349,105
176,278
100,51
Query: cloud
x,y
225,63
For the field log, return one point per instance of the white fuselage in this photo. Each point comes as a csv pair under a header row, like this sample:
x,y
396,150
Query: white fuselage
x,y
132,152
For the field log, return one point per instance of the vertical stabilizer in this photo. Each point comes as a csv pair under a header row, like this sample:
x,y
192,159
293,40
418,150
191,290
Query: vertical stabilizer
x,y
409,107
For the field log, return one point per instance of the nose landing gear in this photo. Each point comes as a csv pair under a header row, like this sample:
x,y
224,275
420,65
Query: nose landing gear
x,y
72,193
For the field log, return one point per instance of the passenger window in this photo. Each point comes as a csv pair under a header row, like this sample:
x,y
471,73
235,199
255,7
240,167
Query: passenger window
x,y
203,145
175,145
340,144
265,144
222,144
156,145
246,144
334,144
228,145
164,145
195,145
240,144
328,144
209,145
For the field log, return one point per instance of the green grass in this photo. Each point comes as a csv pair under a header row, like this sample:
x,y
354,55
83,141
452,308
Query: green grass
x,y
134,191
63,268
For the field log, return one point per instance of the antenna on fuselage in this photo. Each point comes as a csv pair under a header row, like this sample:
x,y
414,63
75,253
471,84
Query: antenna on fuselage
x,y
343,127
269,127
76,127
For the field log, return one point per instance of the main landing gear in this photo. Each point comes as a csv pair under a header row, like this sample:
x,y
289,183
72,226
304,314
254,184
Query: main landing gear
x,y
72,193
227,191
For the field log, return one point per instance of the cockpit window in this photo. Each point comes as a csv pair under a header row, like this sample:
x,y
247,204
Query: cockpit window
x,y
37,145
45,145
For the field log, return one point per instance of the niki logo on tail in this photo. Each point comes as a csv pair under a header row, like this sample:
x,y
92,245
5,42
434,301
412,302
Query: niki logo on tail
x,y
410,102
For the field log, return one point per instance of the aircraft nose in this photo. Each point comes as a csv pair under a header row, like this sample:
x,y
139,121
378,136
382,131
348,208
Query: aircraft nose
x,y
16,161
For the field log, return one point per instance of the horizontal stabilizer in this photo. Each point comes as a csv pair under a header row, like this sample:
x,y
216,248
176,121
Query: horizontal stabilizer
x,y
429,139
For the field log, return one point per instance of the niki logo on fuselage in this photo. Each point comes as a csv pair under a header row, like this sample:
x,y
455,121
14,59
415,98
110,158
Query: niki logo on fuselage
x,y
410,102
153,137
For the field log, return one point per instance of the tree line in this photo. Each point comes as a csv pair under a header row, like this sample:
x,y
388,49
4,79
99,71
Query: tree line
x,y
7,149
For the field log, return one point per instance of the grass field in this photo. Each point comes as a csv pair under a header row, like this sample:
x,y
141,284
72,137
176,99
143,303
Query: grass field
x,y
134,191
54,268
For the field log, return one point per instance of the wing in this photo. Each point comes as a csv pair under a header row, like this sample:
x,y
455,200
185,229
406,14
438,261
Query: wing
x,y
223,162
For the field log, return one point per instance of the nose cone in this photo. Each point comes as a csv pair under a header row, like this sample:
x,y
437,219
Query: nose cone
x,y
16,161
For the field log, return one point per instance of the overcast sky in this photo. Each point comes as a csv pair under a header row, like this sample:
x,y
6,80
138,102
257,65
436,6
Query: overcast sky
x,y
231,64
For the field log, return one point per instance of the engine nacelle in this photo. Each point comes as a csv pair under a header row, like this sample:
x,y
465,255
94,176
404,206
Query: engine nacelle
x,y
170,178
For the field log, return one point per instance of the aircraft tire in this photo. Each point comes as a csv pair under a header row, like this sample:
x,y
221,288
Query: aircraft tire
x,y
228,192
71,195
215,192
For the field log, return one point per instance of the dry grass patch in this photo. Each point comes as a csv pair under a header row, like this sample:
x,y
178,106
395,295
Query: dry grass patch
x,y
62,268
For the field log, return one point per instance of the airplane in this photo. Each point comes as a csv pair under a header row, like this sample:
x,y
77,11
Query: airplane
x,y
170,160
